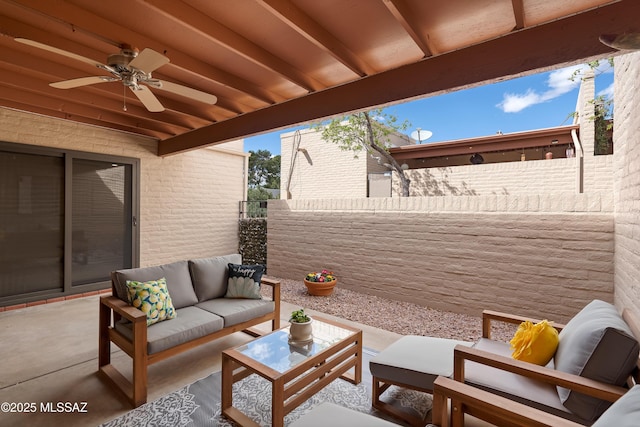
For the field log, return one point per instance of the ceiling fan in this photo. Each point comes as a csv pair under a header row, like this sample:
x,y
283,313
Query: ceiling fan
x,y
629,41
131,68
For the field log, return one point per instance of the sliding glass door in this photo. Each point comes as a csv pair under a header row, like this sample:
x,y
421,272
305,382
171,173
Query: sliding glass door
x,y
67,219
101,220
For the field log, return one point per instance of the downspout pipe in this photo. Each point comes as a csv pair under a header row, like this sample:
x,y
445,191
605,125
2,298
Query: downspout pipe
x,y
579,162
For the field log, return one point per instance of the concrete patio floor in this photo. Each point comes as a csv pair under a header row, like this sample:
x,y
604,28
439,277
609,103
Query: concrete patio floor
x,y
49,354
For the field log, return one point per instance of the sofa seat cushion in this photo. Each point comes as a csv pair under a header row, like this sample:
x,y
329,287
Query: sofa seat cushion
x,y
235,311
530,392
415,361
190,323
177,276
210,275
598,344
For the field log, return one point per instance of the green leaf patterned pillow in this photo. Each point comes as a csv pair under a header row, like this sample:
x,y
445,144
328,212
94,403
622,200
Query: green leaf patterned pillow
x,y
244,281
152,298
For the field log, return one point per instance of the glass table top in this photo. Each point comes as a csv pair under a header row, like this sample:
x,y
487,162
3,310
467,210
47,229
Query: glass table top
x,y
275,351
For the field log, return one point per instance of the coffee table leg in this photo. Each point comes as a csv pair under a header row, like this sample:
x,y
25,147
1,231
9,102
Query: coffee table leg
x,y
227,382
358,370
277,403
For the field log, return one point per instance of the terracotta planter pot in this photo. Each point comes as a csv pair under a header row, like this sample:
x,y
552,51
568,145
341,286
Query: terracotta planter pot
x,y
322,289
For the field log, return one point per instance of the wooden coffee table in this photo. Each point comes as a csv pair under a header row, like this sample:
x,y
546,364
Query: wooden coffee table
x,y
296,371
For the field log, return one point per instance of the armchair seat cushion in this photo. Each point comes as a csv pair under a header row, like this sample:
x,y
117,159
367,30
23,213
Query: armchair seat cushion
x,y
235,311
190,323
330,414
522,389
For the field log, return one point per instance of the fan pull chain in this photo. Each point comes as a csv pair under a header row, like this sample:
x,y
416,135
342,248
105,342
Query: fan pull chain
x,y
124,98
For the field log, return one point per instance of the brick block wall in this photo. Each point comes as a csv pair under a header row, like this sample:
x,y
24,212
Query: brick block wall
x,y
188,202
546,256
627,181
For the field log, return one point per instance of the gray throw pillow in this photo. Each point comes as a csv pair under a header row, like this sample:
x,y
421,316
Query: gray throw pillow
x,y
597,344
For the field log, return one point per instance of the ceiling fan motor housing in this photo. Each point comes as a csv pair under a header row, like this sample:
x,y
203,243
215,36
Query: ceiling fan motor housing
x,y
120,61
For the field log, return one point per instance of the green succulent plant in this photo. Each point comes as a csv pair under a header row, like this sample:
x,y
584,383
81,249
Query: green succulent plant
x,y
298,316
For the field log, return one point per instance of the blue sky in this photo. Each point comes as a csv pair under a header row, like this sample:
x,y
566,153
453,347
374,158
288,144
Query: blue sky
x,y
533,102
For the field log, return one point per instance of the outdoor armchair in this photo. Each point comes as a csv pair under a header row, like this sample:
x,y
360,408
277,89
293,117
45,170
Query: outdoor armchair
x,y
595,363
466,399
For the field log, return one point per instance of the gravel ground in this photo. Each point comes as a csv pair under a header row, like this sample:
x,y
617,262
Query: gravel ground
x,y
400,317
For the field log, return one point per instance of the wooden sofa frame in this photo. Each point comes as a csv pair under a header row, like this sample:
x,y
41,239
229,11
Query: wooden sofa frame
x,y
498,410
113,309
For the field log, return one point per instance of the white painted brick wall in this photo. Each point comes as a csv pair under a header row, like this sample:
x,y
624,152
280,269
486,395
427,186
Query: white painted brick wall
x,y
189,202
627,181
543,255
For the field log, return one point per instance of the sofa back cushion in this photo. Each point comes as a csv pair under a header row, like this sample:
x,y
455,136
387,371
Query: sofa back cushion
x,y
177,276
598,344
210,275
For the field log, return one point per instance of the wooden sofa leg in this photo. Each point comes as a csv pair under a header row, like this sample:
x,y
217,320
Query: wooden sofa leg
x,y
139,364
104,343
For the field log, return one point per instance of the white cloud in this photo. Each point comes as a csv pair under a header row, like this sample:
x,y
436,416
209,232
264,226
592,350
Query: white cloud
x,y
559,82
607,92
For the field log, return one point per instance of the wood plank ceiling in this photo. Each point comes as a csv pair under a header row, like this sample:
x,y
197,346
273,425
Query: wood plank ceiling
x,y
276,63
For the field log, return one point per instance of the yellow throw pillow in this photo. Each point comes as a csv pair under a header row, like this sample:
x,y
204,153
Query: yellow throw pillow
x,y
535,343
152,298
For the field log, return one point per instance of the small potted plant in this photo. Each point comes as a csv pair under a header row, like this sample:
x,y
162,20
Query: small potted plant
x,y
300,330
320,284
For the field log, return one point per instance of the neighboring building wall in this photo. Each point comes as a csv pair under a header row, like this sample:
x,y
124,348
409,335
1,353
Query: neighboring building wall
x,y
188,202
627,181
544,255
322,171
530,177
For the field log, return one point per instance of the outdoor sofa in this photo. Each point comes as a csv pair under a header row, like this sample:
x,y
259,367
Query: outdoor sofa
x,y
202,311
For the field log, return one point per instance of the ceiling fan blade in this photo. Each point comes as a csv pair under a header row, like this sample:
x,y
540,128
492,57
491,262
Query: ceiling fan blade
x,y
629,41
82,81
148,99
207,98
58,51
148,60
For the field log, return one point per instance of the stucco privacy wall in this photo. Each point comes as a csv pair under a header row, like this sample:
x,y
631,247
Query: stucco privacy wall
x,y
627,181
543,255
188,202
530,177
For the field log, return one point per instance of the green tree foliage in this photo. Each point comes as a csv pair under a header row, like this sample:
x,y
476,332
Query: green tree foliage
x,y
258,193
369,131
264,169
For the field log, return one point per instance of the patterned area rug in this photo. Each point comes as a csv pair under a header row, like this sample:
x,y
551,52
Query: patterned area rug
x,y
198,404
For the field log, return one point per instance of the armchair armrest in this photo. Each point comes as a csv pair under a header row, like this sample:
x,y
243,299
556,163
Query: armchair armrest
x,y
487,406
488,316
123,309
580,384
275,294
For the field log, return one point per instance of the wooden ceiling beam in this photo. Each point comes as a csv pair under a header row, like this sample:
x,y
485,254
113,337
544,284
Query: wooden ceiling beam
x,y
401,11
308,28
563,41
518,13
185,15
